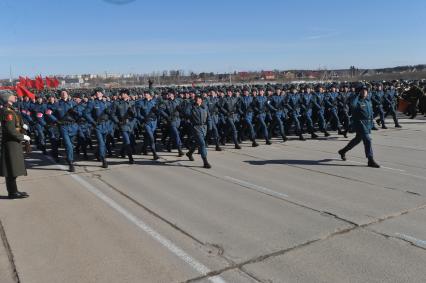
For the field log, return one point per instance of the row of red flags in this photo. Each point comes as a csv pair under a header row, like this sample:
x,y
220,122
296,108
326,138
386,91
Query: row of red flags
x,y
24,83
39,83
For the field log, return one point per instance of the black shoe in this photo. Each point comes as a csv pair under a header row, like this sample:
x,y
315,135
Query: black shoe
x,y
285,139
206,164
345,134
314,136
384,127
237,146
326,134
268,142
254,144
342,155
104,163
398,126
374,129
18,195
72,168
131,160
190,157
301,138
180,153
156,157
218,148
372,163
378,122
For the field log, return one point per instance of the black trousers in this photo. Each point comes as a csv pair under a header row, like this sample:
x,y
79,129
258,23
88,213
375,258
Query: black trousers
x,y
11,186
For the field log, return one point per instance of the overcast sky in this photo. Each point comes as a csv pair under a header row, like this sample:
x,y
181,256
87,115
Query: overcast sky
x,y
95,36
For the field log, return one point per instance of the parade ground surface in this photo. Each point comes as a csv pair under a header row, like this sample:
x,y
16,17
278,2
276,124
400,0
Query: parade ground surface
x,y
288,212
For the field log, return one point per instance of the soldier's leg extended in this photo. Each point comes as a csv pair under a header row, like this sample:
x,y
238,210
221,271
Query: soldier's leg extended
x,y
175,136
263,127
233,130
150,128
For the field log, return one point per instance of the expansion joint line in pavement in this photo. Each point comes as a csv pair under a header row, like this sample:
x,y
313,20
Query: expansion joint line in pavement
x,y
9,253
261,258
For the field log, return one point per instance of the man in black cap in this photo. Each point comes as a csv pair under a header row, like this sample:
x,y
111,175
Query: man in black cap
x,y
12,158
362,115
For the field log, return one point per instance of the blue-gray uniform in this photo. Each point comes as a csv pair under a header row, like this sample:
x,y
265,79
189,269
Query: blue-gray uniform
x,y
279,113
200,119
68,127
124,114
148,116
229,111
343,110
245,109
24,107
330,103
213,107
84,130
260,106
306,112
38,111
318,111
362,115
98,113
52,129
390,102
377,100
293,104
171,111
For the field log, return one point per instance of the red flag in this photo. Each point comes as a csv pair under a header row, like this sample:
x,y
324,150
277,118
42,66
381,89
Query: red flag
x,y
22,91
56,82
48,82
39,84
28,82
22,81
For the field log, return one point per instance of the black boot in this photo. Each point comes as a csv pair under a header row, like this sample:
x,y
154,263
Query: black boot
x,y
268,142
326,134
398,126
218,148
206,164
301,137
71,167
342,154
104,163
180,152
285,138
372,163
254,144
345,134
190,157
237,146
314,136
156,157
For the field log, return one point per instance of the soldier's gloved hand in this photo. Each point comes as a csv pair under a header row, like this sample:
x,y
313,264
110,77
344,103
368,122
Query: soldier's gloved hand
x,y
27,138
25,126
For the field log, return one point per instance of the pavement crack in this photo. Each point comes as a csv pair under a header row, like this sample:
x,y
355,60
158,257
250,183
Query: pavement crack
x,y
147,209
387,236
9,253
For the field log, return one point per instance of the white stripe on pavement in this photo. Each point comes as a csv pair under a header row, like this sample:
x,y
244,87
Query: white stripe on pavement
x,y
196,265
256,187
416,241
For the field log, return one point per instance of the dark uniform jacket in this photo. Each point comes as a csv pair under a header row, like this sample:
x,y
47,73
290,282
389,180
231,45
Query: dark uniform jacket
x,y
12,157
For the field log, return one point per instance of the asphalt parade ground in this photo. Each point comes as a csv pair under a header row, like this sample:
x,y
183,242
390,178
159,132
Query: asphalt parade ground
x,y
288,212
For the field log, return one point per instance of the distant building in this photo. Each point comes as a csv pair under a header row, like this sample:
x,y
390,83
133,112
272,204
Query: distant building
x,y
268,75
